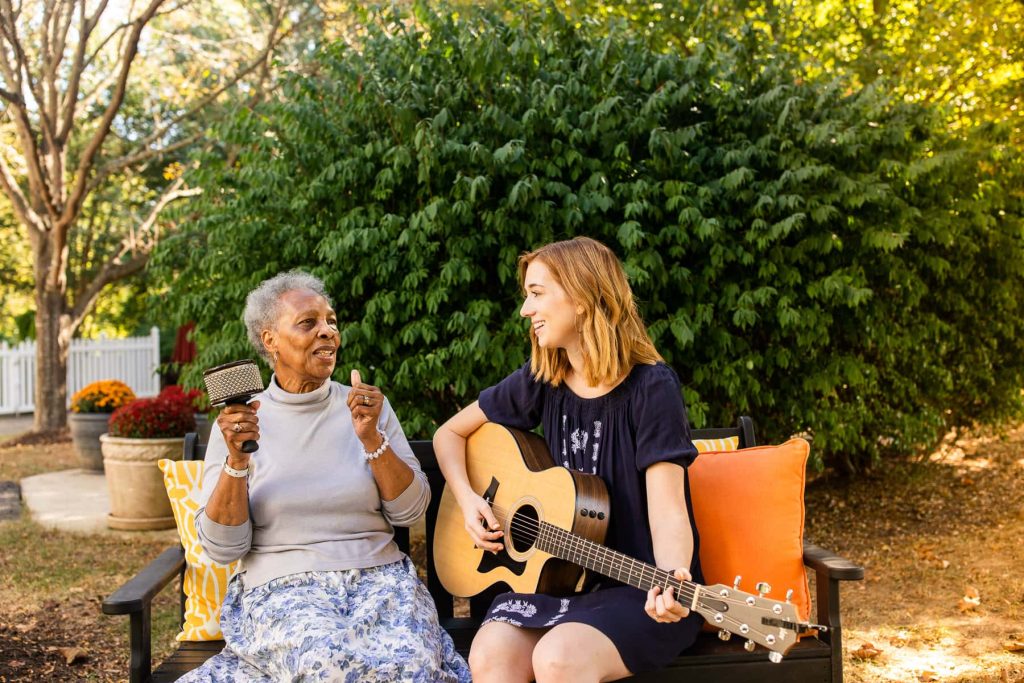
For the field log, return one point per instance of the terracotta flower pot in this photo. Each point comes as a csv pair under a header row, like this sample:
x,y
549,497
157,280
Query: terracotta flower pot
x,y
138,499
86,429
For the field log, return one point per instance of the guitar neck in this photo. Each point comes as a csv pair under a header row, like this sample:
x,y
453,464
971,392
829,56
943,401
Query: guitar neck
x,y
611,563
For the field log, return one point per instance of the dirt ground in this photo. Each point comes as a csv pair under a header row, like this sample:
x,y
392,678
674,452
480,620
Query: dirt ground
x,y
942,545
940,541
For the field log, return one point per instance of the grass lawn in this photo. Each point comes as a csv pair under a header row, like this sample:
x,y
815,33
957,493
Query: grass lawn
x,y
52,584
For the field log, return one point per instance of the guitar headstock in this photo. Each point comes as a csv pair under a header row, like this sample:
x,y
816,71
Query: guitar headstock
x,y
773,624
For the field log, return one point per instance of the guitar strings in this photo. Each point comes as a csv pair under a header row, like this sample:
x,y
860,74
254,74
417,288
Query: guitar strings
x,y
685,590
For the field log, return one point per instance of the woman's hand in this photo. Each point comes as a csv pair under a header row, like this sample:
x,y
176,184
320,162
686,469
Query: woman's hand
x,y
478,513
238,424
662,606
365,401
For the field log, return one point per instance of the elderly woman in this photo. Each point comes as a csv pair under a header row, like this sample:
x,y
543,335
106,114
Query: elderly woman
x,y
323,592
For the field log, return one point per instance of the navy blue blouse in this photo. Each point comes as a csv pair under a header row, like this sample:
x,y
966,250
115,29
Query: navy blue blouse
x,y
617,436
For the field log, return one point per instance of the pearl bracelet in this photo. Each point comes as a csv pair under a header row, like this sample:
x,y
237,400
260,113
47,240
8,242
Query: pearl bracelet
x,y
380,449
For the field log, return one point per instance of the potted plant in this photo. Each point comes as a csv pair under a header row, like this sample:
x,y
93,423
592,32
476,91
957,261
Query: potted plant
x,y
200,407
141,433
91,407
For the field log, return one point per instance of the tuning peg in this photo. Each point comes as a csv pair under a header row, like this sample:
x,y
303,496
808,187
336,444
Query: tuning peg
x,y
724,635
736,582
763,588
789,595
749,646
774,657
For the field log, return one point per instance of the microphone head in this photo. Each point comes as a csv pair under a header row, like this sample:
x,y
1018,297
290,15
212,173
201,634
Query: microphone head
x,y
235,382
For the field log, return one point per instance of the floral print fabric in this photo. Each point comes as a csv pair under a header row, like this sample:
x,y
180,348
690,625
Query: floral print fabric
x,y
376,624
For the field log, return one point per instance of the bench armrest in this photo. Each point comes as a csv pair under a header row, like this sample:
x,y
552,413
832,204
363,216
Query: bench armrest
x,y
139,591
831,565
135,598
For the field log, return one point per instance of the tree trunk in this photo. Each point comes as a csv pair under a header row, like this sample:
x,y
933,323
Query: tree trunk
x,y
51,364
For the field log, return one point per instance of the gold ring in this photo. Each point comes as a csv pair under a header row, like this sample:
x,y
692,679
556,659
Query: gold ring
x,y
366,400
238,427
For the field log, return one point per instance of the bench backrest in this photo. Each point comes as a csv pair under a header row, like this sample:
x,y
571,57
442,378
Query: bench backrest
x,y
424,451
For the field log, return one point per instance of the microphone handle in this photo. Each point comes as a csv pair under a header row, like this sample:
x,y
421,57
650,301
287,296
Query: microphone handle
x,y
249,445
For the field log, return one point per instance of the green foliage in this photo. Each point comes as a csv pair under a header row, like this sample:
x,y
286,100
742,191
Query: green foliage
x,y
831,263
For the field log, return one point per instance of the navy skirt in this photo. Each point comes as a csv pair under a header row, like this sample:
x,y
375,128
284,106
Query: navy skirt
x,y
616,611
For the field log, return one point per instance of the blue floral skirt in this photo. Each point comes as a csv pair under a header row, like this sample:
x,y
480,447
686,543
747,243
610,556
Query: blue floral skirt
x,y
376,624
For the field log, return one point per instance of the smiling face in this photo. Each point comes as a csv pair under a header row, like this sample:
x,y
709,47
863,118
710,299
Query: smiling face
x,y
551,312
304,341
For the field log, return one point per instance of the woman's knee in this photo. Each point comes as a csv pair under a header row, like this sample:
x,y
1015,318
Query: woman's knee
x,y
500,654
576,652
555,659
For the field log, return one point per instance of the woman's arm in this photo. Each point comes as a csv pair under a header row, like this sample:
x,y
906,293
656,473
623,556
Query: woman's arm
x,y
670,533
222,520
229,502
450,449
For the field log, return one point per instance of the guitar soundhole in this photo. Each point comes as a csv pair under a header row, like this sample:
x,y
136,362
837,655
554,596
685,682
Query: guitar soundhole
x,y
524,527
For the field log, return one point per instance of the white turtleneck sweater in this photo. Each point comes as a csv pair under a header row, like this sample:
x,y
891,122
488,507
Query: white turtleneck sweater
x,y
313,502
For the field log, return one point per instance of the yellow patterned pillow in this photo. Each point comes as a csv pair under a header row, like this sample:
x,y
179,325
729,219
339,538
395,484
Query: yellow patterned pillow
x,y
206,581
708,445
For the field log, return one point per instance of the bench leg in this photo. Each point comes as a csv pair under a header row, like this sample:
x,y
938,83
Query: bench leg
x,y
140,664
828,615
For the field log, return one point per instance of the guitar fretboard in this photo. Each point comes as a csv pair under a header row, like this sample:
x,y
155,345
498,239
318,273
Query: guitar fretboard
x,y
607,562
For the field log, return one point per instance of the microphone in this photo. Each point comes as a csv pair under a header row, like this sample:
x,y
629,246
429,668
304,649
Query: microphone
x,y
234,384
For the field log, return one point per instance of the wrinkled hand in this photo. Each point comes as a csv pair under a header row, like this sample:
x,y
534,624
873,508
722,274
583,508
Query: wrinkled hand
x,y
365,402
662,606
477,512
248,428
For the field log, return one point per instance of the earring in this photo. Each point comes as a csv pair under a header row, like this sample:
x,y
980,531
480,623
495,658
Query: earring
x,y
274,356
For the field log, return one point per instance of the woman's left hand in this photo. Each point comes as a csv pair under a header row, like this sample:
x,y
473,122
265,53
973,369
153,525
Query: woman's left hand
x,y
365,401
662,606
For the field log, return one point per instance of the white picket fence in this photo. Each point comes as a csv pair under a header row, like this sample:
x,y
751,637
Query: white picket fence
x,y
133,360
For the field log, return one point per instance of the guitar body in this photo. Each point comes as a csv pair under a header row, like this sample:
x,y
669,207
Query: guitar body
x,y
514,471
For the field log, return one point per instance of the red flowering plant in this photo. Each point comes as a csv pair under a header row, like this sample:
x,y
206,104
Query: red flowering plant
x,y
153,418
196,398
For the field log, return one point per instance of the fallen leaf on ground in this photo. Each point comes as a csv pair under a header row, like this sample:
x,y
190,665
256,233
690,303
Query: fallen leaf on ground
x,y
971,599
72,654
25,628
866,651
926,676
1013,646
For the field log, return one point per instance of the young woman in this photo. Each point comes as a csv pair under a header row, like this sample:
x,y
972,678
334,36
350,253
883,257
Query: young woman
x,y
609,406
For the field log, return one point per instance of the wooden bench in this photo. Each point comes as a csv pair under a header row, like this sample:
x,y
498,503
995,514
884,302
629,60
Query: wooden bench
x,y
813,659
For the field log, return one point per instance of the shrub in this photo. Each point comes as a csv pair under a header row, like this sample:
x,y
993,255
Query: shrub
x,y
825,259
153,418
104,396
195,398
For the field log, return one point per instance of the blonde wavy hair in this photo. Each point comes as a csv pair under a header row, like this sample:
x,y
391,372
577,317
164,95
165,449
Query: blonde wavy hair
x,y
612,335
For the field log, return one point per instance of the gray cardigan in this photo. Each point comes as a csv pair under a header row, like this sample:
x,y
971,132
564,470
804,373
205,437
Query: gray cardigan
x,y
313,502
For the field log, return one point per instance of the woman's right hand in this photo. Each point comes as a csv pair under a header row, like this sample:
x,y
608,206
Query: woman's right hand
x,y
477,514
238,424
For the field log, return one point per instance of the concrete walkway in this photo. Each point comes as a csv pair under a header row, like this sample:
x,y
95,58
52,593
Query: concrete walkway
x,y
71,500
13,425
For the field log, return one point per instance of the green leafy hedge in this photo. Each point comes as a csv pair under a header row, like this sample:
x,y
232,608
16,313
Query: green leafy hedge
x,y
826,261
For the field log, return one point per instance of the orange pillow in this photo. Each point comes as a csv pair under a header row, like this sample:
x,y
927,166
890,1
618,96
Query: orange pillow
x,y
749,509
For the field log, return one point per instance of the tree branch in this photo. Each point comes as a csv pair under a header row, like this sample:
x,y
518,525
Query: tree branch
x,y
86,27
137,157
26,215
273,40
117,268
22,125
85,164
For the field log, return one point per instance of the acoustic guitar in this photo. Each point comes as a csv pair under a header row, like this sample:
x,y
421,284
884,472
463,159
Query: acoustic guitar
x,y
554,521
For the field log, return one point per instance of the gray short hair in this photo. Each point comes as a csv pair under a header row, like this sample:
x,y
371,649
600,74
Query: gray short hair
x,y
263,305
